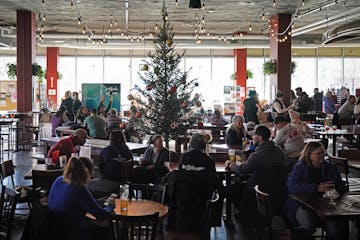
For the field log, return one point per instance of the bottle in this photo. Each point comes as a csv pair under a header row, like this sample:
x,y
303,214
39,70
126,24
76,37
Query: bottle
x,y
252,146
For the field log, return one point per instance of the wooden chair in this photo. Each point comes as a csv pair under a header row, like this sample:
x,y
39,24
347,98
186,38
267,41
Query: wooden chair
x,y
127,167
353,154
135,227
264,208
45,179
342,166
146,191
9,198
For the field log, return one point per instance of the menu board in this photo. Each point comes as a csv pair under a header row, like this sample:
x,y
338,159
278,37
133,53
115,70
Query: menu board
x,y
8,95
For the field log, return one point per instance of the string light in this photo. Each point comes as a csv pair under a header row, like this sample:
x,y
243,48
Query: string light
x,y
274,3
79,20
166,16
43,3
84,30
156,27
233,37
303,2
176,3
203,6
89,37
250,28
263,16
44,17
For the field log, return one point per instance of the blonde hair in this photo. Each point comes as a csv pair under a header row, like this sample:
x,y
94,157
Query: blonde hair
x,y
294,115
76,172
308,150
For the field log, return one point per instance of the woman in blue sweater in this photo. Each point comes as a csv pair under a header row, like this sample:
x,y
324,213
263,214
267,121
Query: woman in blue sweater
x,y
69,199
313,176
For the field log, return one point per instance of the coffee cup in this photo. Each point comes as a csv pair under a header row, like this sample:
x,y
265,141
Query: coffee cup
x,y
48,161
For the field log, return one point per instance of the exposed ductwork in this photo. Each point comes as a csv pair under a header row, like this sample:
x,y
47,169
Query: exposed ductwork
x,y
342,33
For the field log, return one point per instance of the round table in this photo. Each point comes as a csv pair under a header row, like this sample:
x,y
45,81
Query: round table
x,y
141,208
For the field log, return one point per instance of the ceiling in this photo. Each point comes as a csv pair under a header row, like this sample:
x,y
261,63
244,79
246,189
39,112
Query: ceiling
x,y
316,22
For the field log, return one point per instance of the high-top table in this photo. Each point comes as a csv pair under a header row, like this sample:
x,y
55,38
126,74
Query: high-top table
x,y
336,133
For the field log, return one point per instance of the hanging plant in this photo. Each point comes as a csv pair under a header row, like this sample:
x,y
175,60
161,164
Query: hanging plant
x,y
36,71
11,72
269,67
59,75
249,74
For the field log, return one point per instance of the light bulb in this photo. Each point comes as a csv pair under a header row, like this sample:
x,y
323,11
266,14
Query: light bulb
x,y
303,2
156,27
176,3
263,16
233,37
274,3
83,31
43,3
203,6
250,28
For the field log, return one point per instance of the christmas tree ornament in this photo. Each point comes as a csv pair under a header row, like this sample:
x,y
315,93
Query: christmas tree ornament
x,y
122,125
138,115
173,90
196,96
174,125
184,104
196,84
149,87
183,81
198,103
130,97
200,125
145,67
168,42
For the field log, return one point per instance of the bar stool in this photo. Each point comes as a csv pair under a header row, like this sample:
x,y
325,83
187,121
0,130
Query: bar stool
x,y
7,135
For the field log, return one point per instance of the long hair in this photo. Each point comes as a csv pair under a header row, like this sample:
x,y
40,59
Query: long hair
x,y
76,172
308,150
117,138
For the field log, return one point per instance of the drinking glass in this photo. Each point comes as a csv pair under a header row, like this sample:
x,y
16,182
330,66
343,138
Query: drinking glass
x,y
124,197
232,155
331,194
334,128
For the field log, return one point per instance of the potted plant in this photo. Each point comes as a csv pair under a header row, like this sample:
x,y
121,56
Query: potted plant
x,y
11,72
249,75
269,67
293,67
59,75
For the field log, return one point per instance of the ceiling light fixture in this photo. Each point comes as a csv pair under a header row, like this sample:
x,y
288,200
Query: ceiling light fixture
x,y
195,4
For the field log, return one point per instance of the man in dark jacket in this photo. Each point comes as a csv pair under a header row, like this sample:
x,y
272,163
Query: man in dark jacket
x,y
318,100
268,168
305,103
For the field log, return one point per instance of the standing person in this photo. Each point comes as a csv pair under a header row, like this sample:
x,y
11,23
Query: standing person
x,y
313,176
95,125
267,166
236,132
70,200
81,115
318,99
290,139
279,107
346,111
334,96
67,102
329,104
292,96
357,110
217,119
250,107
102,111
305,103
76,102
57,120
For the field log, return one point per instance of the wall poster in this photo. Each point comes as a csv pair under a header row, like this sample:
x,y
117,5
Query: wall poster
x,y
92,93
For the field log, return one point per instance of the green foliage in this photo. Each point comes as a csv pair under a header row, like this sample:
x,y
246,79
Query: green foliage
x,y
36,71
166,98
249,74
11,72
59,75
269,67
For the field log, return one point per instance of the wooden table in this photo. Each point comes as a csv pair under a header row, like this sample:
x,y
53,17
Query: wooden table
x,y
307,140
335,134
344,207
63,131
40,167
141,208
96,145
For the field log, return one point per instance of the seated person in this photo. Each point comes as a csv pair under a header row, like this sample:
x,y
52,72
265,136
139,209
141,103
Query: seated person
x,y
346,111
196,157
95,125
110,166
69,200
290,139
268,169
313,176
279,107
113,121
236,133
81,115
67,145
152,168
190,187
57,120
217,119
303,127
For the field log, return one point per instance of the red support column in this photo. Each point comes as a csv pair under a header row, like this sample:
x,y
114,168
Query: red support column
x,y
52,58
25,57
240,61
280,50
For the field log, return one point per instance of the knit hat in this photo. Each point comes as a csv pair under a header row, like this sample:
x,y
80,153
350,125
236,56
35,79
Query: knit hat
x,y
263,131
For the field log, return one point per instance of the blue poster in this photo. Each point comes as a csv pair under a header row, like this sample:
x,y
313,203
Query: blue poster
x,y
92,93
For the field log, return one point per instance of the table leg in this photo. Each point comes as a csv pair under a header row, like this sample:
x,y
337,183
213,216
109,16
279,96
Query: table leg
x,y
334,145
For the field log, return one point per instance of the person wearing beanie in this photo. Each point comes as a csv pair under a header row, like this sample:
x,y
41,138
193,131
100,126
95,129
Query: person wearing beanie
x,y
251,107
196,158
268,170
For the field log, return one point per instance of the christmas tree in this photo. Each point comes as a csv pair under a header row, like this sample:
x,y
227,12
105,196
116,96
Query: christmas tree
x,y
166,99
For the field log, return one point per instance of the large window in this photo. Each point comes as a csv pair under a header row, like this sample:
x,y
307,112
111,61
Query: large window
x,y
352,73
67,68
305,75
330,73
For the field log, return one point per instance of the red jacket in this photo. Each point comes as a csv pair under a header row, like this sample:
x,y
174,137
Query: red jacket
x,y
65,146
